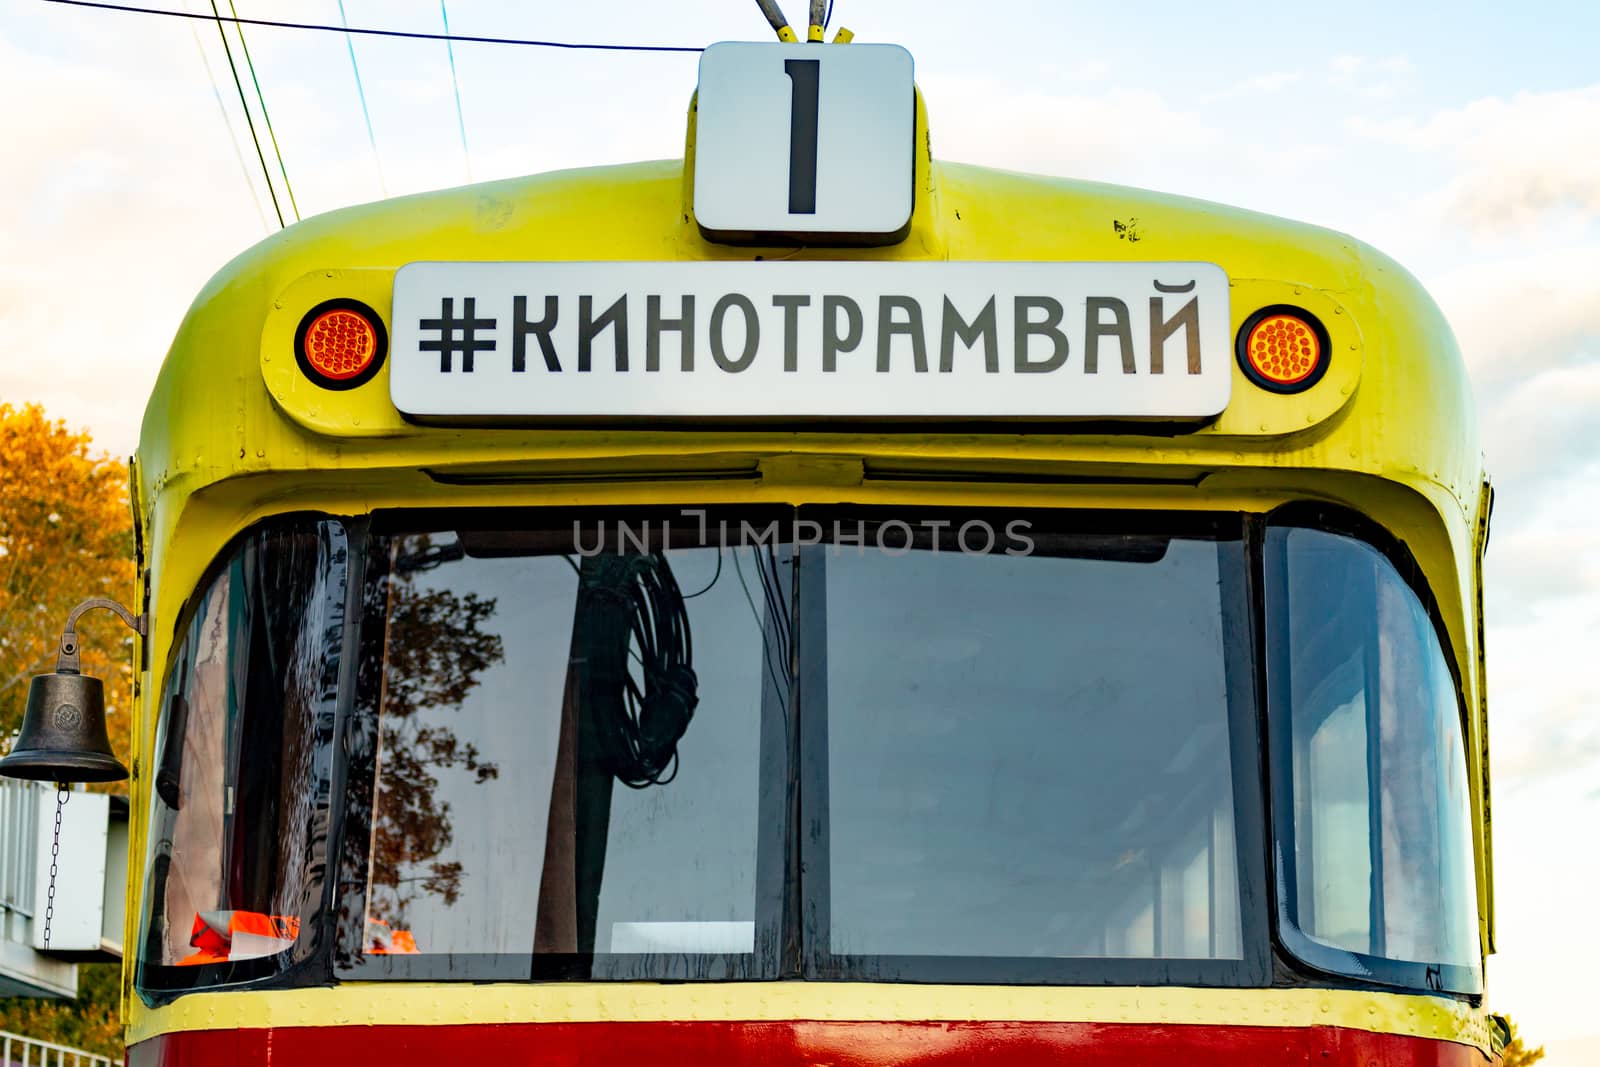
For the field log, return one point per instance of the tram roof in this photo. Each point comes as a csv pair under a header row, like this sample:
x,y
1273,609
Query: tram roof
x,y
1395,404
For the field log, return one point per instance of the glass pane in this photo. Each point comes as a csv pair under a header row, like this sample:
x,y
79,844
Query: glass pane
x,y
526,803
238,822
1028,755
1381,831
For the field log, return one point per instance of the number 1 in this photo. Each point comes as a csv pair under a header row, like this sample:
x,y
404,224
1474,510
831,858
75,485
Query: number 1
x,y
806,76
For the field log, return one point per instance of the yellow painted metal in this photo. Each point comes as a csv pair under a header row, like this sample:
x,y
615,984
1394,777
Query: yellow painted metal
x,y
382,1004
233,434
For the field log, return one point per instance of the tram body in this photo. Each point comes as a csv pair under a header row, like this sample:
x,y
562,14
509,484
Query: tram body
x,y
1189,766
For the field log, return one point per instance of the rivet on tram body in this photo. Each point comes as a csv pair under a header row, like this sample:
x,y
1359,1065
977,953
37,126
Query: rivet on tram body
x,y
1338,311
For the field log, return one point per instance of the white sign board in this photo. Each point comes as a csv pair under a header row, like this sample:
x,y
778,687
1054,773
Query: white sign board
x,y
804,140
811,341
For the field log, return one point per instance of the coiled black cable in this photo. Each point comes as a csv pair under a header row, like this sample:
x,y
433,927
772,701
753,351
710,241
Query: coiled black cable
x,y
626,601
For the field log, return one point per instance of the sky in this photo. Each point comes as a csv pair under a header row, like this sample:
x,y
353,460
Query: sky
x,y
1462,139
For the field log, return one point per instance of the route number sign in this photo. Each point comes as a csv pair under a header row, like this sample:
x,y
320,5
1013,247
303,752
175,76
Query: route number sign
x,y
806,142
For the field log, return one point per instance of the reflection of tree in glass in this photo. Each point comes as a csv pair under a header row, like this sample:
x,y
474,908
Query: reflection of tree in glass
x,y
435,650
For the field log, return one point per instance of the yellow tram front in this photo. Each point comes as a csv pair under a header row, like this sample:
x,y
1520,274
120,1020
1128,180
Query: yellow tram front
x,y
625,614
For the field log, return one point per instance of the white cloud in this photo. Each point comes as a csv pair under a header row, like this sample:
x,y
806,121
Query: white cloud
x,y
1543,608
118,206
1521,314
1346,66
1544,425
1544,889
1519,160
1091,70
1116,135
1377,78
1260,85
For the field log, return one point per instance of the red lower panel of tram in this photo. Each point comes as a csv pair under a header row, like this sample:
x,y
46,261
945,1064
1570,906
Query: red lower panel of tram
x,y
803,1044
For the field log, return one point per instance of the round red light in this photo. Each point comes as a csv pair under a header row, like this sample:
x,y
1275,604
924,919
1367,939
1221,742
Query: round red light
x,y
1283,349
340,344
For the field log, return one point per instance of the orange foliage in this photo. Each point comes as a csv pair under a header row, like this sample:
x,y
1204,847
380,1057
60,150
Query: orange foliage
x,y
66,534
91,1022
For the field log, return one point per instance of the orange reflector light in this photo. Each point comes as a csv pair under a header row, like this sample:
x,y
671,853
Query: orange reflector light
x,y
1283,349
340,344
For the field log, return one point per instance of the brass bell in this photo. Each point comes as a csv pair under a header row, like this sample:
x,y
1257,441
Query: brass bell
x,y
63,737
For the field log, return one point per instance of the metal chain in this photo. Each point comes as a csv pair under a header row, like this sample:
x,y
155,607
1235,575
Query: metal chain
x,y
63,794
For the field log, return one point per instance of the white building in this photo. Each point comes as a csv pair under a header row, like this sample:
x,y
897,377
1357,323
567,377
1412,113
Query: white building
x,y
91,886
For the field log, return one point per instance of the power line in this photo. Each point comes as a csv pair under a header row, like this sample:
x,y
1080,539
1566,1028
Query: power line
x,y
237,84
372,139
238,28
233,137
455,84
322,27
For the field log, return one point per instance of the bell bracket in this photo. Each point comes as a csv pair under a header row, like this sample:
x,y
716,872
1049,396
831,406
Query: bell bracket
x,y
67,661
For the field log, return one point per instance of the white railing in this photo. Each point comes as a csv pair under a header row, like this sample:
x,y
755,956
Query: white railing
x,y
19,844
19,1051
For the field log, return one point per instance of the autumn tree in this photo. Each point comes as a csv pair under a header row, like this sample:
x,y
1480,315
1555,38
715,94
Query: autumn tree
x,y
92,1021
436,650
1517,1054
65,535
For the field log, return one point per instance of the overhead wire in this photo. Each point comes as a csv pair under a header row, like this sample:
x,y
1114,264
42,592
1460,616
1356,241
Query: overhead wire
x,y
707,587
766,645
361,92
238,26
227,121
369,32
774,583
266,172
455,85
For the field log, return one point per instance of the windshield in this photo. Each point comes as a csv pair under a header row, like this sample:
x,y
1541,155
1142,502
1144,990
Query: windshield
x,y
567,738
999,772
238,826
1374,827
1028,752
896,744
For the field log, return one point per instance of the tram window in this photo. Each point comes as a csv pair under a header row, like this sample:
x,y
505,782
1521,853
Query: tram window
x,y
1028,755
242,765
1374,822
520,827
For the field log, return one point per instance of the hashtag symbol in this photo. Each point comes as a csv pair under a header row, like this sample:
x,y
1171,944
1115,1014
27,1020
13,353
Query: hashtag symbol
x,y
457,335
